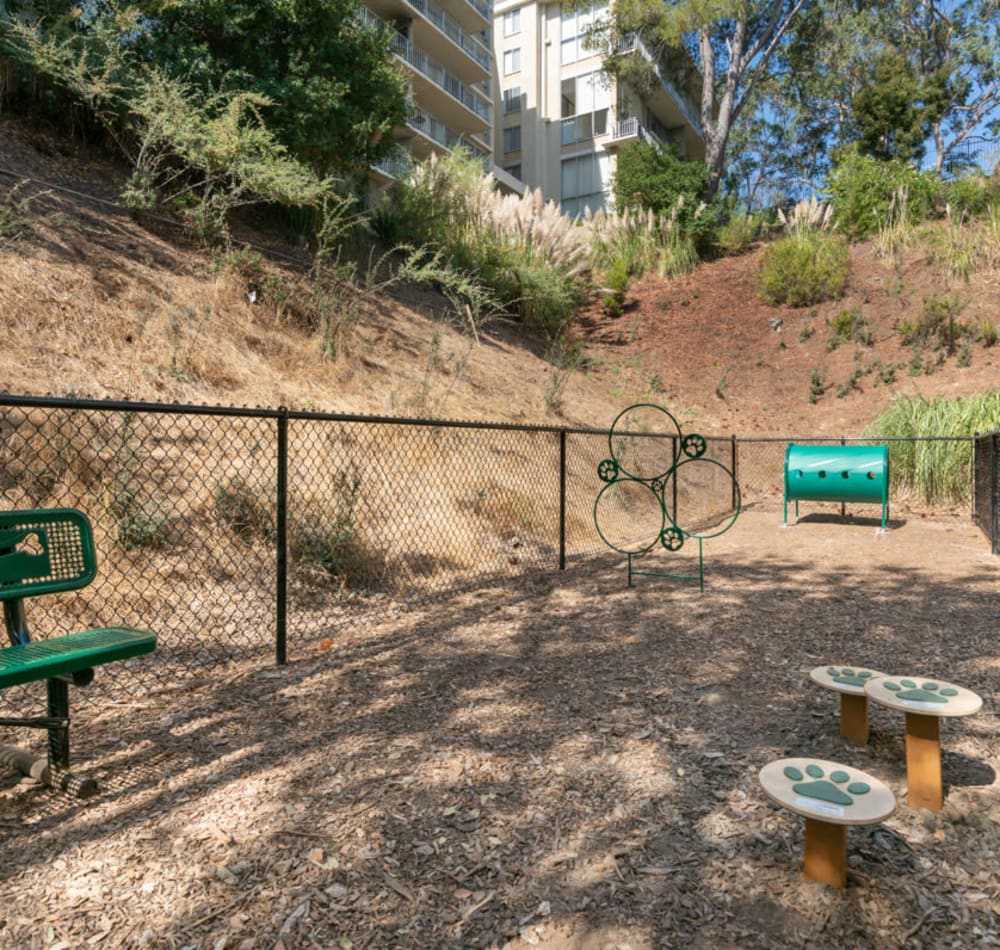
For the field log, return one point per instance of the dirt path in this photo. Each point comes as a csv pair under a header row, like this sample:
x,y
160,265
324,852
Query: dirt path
x,y
567,764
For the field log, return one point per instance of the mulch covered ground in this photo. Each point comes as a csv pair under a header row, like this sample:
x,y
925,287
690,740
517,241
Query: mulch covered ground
x,y
560,761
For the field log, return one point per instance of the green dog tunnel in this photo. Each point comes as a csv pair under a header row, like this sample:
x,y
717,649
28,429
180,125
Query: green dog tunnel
x,y
844,473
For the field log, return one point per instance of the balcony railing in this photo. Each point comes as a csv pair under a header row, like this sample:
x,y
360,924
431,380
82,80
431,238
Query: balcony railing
x,y
632,128
440,76
395,166
483,7
632,44
449,26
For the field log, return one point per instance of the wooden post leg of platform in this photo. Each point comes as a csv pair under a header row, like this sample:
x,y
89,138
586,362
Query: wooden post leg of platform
x,y
923,761
826,853
854,718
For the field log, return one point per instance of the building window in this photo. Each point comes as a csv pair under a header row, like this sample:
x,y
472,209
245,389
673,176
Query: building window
x,y
514,171
512,22
512,61
512,139
574,25
584,183
512,100
585,103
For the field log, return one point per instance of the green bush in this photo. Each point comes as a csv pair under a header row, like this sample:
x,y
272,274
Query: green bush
x,y
653,177
850,326
971,195
738,233
937,324
863,190
804,269
615,283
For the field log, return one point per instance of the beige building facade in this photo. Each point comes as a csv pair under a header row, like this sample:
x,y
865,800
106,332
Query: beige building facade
x,y
559,119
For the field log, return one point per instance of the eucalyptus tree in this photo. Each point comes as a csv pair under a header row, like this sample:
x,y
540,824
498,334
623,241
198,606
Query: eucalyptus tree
x,y
733,42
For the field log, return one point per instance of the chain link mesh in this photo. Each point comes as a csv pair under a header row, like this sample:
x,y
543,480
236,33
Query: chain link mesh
x,y
184,502
986,487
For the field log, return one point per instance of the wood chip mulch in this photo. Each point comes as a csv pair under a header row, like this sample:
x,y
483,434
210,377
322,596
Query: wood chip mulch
x,y
558,761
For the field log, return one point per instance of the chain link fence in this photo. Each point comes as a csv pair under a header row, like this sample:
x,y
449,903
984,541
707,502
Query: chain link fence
x,y
986,487
236,533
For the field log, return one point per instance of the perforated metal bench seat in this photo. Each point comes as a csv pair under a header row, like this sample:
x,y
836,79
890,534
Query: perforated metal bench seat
x,y
43,659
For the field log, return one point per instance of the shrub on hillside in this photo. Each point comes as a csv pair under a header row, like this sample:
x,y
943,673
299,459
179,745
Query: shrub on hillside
x,y
803,269
862,190
971,195
738,233
654,178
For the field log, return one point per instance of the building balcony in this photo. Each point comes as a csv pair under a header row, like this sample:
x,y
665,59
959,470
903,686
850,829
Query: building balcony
x,y
455,101
440,34
435,136
672,106
393,167
627,131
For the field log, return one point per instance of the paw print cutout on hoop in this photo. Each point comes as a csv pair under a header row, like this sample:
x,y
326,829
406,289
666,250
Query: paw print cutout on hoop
x,y
644,504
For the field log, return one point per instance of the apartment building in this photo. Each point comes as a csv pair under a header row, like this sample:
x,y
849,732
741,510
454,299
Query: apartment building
x,y
444,48
560,120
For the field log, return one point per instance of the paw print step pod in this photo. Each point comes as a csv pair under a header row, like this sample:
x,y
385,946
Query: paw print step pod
x,y
830,796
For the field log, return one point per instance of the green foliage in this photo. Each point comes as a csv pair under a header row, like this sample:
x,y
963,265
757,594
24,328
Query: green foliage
x,y
935,471
738,232
615,283
804,268
652,177
863,190
850,326
971,195
987,333
526,260
817,385
325,544
937,324
200,149
328,89
891,115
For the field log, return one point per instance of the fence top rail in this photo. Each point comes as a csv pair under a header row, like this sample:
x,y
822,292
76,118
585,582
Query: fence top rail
x,y
262,412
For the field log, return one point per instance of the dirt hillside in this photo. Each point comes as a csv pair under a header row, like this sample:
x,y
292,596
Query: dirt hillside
x,y
96,303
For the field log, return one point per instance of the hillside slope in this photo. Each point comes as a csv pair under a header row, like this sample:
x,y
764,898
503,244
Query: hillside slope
x,y
95,303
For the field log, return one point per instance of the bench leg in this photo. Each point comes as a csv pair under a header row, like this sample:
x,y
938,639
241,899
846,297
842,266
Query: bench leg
x,y
854,718
59,735
923,762
825,853
59,775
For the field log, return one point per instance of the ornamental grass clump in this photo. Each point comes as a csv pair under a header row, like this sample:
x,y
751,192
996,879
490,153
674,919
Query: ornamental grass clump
x,y
935,471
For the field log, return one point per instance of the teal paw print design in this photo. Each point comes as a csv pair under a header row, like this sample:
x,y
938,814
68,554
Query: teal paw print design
x,y
848,676
823,789
923,693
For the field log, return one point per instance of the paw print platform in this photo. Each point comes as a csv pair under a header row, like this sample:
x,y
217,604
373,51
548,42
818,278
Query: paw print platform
x,y
830,797
850,682
925,702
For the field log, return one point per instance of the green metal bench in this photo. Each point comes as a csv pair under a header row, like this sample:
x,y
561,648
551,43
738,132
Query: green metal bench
x,y
45,551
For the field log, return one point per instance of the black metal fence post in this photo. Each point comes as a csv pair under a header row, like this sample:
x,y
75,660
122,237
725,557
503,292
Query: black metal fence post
x,y
281,531
732,468
994,472
562,499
